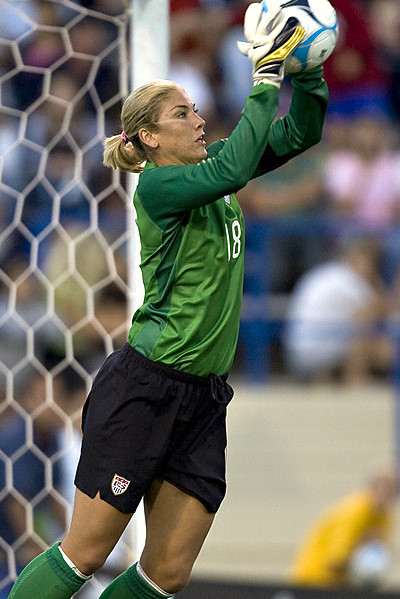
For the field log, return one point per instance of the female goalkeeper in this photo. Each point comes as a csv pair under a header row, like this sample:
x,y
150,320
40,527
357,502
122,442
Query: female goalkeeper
x,y
154,421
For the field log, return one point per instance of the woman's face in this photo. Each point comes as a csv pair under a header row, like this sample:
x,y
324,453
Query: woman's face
x,y
180,135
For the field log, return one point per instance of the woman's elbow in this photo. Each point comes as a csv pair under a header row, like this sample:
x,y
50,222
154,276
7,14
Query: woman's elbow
x,y
312,138
316,138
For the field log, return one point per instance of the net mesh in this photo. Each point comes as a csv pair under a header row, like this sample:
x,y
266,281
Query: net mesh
x,y
63,237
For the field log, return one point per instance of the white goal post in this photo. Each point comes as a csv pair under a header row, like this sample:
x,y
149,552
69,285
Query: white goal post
x,y
69,250
149,61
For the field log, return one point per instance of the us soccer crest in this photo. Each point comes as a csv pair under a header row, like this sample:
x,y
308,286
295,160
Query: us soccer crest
x,y
119,484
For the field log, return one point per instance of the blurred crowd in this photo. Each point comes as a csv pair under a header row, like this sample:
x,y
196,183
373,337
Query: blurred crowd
x,y
61,211
61,94
332,215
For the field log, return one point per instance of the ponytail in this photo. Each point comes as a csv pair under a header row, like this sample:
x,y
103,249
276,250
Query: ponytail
x,y
124,155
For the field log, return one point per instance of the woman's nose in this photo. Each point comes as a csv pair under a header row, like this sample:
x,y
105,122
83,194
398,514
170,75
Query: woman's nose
x,y
199,121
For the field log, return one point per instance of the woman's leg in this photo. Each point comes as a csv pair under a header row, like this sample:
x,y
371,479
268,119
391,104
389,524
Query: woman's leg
x,y
176,526
95,529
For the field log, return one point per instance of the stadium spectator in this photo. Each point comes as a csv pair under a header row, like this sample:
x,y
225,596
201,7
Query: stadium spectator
x,y
62,111
290,203
384,25
355,75
233,68
30,464
58,191
334,319
41,49
362,181
92,299
23,307
196,27
362,520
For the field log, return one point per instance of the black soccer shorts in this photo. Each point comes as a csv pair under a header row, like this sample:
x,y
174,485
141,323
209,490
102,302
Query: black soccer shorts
x,y
143,420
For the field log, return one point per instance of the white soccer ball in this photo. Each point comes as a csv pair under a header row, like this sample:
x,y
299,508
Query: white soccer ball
x,y
318,17
368,564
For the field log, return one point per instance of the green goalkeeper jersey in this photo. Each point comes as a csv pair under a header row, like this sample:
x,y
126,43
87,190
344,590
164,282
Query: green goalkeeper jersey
x,y
192,231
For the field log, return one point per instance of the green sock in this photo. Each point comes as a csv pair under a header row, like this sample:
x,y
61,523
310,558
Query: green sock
x,y
47,576
130,585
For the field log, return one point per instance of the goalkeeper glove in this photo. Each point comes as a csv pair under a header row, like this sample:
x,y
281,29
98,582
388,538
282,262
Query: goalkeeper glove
x,y
270,39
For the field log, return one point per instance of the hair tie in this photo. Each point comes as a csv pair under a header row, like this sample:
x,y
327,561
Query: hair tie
x,y
124,137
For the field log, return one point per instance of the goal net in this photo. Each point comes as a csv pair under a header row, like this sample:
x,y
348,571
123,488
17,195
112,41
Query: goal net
x,y
64,71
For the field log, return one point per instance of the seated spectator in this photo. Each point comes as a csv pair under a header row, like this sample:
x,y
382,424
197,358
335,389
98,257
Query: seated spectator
x,y
363,518
356,78
92,299
334,320
366,194
196,28
27,316
384,24
192,79
58,191
290,201
235,70
37,421
36,441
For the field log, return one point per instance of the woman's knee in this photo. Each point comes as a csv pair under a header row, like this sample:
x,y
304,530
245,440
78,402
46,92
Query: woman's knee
x,y
88,559
170,575
95,529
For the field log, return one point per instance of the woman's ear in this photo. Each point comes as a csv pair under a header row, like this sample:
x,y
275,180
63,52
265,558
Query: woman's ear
x,y
148,138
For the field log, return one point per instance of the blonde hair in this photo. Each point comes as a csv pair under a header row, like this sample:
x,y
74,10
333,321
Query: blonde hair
x,y
141,109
